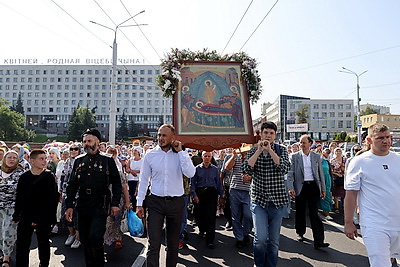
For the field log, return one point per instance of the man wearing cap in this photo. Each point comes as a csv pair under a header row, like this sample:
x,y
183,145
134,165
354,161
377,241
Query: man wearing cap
x,y
91,176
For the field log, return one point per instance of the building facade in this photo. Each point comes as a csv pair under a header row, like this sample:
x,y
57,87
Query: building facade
x,y
50,93
325,117
379,109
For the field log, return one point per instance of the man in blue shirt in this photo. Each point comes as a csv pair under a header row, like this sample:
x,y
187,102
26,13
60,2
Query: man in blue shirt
x,y
205,188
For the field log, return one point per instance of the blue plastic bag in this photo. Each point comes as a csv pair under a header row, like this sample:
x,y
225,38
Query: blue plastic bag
x,y
135,224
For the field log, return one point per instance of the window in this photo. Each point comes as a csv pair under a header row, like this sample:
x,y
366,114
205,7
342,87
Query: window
x,y
323,106
141,72
348,124
332,124
142,80
141,102
340,114
316,115
149,80
340,124
324,124
324,115
331,114
149,72
348,106
332,106
340,106
141,95
348,114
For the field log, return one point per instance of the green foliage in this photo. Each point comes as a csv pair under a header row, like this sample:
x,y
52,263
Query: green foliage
x,y
12,125
81,119
354,139
19,107
369,111
347,138
343,136
133,128
302,114
123,131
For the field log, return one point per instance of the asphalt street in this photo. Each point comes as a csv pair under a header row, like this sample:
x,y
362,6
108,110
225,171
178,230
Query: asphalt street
x,y
342,251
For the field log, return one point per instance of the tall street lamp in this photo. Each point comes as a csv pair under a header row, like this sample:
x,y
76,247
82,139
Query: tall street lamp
x,y
114,87
345,70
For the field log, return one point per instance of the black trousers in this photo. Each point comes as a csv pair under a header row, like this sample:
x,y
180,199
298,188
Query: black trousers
x,y
207,212
159,209
227,208
132,190
24,238
309,195
92,226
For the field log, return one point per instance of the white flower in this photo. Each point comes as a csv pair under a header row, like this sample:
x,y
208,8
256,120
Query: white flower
x,y
167,84
176,74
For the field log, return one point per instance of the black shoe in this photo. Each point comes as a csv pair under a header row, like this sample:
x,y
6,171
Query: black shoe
x,y
201,234
210,246
246,240
228,226
239,244
321,245
300,238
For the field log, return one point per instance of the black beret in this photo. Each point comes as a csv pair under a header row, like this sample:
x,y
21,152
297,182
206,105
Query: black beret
x,y
93,132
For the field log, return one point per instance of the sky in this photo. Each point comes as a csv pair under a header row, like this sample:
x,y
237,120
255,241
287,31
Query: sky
x,y
300,45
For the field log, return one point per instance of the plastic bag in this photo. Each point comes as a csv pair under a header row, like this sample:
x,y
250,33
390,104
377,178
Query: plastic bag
x,y
135,224
124,223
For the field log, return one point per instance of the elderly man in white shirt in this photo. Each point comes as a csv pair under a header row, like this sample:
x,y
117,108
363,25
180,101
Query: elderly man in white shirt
x,y
163,168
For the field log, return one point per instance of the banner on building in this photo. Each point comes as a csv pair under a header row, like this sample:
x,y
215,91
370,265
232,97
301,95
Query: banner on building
x,y
297,128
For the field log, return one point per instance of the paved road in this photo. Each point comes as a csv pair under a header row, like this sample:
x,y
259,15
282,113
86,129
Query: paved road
x,y
342,252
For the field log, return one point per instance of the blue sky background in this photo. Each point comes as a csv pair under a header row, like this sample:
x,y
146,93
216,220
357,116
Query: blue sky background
x,y
300,46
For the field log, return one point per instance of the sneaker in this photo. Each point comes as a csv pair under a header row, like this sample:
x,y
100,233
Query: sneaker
x,y
329,218
246,240
54,230
181,245
239,244
76,244
228,226
70,240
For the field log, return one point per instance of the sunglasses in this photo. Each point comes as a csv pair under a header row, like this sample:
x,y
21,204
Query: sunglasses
x,y
74,148
356,150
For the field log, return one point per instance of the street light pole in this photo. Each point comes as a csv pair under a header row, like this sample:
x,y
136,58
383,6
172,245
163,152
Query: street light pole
x,y
358,100
114,85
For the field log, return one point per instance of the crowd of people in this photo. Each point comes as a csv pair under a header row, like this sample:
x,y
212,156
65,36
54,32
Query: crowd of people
x,y
84,189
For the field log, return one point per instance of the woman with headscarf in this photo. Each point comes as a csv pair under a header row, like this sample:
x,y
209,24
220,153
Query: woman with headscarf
x,y
113,227
21,152
10,172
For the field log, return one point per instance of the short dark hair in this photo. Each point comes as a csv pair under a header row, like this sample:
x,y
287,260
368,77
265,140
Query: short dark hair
x,y
377,128
269,125
37,152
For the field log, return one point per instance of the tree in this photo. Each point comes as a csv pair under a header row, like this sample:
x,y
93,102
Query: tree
x,y
81,119
133,128
12,124
369,111
123,132
19,106
340,136
302,114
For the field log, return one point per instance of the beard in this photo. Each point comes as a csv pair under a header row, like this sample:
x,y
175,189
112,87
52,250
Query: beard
x,y
90,149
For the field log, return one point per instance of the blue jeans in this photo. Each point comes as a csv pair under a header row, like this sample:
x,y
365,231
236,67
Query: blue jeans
x,y
267,225
184,217
240,207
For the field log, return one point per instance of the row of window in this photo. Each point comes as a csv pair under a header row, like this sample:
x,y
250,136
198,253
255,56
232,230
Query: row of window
x,y
324,115
73,95
323,106
316,124
75,87
383,119
102,110
98,125
74,80
76,72
94,102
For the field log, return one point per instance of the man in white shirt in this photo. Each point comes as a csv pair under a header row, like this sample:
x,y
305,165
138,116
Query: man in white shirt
x,y
374,177
306,182
163,168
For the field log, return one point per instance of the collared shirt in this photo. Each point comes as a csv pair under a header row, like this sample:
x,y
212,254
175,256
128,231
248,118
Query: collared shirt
x,y
206,177
268,183
164,172
308,175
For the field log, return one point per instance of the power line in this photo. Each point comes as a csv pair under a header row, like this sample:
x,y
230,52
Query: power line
x,y
140,28
236,27
80,23
129,40
334,61
258,25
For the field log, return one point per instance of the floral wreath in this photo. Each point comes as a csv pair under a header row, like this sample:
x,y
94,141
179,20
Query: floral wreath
x,y
172,64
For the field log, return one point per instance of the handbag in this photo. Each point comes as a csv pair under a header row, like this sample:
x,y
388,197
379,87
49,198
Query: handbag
x,y
124,223
135,224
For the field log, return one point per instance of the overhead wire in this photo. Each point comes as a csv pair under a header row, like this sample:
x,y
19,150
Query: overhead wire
x,y
140,28
236,27
269,11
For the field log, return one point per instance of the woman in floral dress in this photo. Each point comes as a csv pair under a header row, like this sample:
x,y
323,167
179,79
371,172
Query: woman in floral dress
x,y
338,163
10,172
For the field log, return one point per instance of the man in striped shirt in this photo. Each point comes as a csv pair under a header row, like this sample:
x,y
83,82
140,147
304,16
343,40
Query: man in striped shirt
x,y
239,195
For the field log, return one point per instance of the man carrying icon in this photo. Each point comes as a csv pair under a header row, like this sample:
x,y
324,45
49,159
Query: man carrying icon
x,y
163,169
267,164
